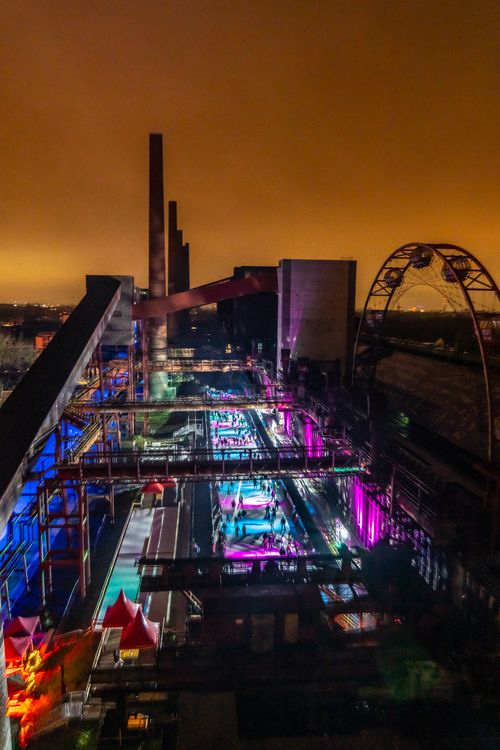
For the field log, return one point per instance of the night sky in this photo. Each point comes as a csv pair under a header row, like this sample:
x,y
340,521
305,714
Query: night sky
x,y
291,129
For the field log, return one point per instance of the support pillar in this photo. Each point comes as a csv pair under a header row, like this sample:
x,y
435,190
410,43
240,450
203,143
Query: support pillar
x,y
6,597
84,546
287,422
145,374
5,735
112,503
308,436
75,521
391,495
101,398
59,460
43,542
157,276
26,576
131,390
118,431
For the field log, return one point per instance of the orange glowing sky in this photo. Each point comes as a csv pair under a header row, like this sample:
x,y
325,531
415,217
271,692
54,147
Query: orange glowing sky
x,y
316,129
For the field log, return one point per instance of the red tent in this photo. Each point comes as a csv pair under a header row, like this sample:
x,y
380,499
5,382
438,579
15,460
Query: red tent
x,y
140,633
119,614
15,648
152,488
21,626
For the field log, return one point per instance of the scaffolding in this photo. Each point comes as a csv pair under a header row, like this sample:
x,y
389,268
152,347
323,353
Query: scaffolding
x,y
63,506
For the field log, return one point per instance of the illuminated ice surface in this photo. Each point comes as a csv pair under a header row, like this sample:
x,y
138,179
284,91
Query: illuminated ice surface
x,y
254,501
124,575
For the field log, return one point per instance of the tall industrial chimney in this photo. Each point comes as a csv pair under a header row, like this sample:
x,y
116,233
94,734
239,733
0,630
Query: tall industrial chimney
x,y
178,272
157,281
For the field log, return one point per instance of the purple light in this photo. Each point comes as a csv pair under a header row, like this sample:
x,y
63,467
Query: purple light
x,y
358,505
287,422
249,501
367,513
318,443
233,553
250,546
308,436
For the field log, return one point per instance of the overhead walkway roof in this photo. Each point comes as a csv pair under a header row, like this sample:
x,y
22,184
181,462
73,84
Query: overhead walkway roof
x,y
38,401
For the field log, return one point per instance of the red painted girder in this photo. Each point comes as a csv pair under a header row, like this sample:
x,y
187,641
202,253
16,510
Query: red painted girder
x,y
205,295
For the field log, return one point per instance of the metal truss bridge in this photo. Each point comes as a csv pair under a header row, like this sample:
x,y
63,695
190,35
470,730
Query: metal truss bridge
x,y
187,403
193,575
201,365
211,465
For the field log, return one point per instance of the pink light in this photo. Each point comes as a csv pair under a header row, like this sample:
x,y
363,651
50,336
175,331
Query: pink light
x,y
308,436
318,442
367,514
287,423
233,553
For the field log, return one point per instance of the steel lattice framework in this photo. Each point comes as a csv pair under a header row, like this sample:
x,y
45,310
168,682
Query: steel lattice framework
x,y
465,285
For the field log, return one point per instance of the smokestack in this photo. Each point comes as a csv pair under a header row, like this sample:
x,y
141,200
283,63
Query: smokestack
x,y
173,266
172,247
178,271
157,282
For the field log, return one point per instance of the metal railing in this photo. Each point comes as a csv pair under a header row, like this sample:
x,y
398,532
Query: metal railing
x,y
198,573
187,403
205,464
200,365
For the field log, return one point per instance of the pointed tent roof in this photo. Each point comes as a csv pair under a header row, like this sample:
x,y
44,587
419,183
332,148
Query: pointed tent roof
x,y
140,633
15,648
153,488
119,614
20,626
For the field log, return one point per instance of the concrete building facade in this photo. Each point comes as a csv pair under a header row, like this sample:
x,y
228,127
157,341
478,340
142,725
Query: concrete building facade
x,y
316,311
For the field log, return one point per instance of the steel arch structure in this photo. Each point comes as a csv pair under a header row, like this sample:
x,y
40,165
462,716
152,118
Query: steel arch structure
x,y
464,283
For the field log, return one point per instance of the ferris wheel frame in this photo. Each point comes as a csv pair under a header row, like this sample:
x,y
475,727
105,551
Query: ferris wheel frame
x,y
391,277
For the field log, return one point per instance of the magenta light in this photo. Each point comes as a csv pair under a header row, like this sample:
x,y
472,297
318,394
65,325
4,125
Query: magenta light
x,y
308,436
287,422
318,442
233,553
357,505
367,513
248,502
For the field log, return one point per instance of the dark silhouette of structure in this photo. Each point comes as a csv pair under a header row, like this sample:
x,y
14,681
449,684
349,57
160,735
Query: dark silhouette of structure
x,y
157,281
178,272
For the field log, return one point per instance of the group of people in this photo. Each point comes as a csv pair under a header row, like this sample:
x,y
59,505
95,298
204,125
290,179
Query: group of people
x,y
276,534
270,515
285,544
238,520
242,435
